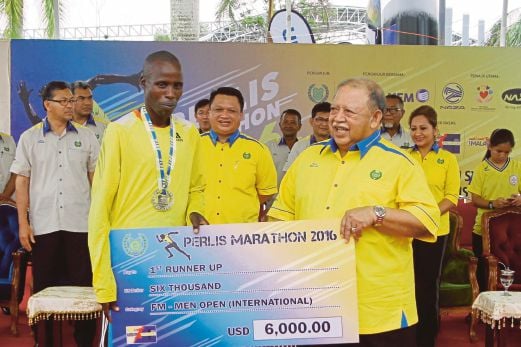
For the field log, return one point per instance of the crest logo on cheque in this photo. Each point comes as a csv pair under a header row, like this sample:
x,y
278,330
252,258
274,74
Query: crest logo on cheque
x,y
318,93
134,246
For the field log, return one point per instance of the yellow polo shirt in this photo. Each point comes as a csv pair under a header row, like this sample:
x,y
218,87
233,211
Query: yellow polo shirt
x,y
322,184
492,183
237,172
442,171
124,182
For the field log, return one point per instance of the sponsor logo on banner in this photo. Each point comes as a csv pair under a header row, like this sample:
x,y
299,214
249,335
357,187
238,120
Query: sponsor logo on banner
x,y
477,141
422,95
453,94
406,96
450,142
485,94
512,96
141,334
318,93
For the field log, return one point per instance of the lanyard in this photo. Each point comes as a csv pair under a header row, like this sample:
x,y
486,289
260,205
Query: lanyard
x,y
163,179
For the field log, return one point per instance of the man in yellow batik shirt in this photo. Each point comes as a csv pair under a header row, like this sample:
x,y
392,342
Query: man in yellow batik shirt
x,y
240,171
382,198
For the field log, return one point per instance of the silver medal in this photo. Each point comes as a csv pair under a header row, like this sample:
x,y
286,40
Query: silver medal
x,y
162,200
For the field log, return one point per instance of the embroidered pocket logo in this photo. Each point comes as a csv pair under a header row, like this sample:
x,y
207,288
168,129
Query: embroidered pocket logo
x,y
375,175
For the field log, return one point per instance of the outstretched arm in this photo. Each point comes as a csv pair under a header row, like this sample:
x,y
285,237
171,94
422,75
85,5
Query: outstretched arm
x,y
24,95
112,78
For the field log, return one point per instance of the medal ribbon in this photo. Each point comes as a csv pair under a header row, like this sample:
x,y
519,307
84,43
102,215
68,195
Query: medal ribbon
x,y
163,179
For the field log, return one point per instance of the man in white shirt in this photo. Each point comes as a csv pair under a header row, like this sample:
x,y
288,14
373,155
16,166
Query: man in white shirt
x,y
319,122
7,152
54,164
391,128
290,123
83,109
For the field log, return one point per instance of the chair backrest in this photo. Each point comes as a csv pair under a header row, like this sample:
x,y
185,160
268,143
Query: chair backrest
x,y
502,237
453,238
9,241
468,212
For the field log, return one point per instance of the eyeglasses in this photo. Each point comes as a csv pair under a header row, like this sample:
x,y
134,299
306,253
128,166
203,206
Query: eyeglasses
x,y
63,102
392,110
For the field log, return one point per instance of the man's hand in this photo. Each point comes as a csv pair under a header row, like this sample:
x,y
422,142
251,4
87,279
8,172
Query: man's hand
x,y
355,220
107,307
26,235
197,220
22,91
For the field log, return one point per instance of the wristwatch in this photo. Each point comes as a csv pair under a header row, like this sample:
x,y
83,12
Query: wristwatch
x,y
379,211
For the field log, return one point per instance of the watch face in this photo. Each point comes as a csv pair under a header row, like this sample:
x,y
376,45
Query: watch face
x,y
379,211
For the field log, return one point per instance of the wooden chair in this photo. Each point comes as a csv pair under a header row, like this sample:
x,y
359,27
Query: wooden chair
x,y
468,212
12,263
502,243
458,284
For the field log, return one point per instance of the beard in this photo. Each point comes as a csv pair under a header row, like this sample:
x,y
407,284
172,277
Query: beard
x,y
388,125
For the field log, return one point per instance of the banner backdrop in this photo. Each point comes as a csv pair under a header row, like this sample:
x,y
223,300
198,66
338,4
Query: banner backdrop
x,y
4,86
473,89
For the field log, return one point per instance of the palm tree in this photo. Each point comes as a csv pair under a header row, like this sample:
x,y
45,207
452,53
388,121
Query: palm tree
x,y
513,36
13,10
226,8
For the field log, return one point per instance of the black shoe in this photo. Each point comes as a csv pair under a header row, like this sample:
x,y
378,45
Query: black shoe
x,y
6,310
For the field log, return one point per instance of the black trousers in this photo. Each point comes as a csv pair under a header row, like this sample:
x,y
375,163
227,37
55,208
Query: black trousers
x,y
428,259
61,258
477,248
405,337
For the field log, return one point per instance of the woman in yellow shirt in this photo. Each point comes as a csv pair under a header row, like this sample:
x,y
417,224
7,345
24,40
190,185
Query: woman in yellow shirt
x,y
442,173
495,184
